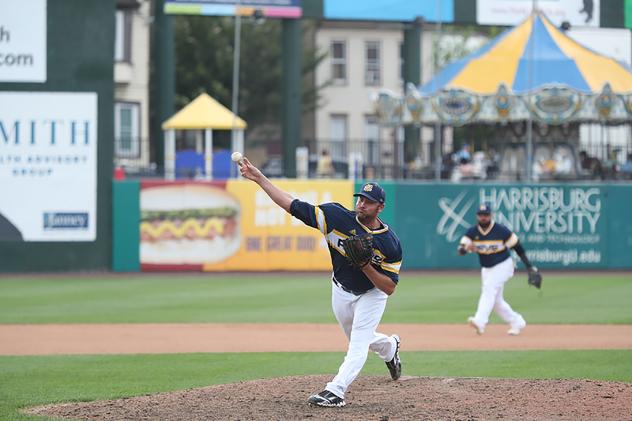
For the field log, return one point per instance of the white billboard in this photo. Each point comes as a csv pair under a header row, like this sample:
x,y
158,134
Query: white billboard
x,y
512,12
611,42
48,166
23,41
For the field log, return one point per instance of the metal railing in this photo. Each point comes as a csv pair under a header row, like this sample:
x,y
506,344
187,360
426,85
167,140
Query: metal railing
x,y
553,161
377,158
130,147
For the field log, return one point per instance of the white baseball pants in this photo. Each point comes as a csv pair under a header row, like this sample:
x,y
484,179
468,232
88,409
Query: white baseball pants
x,y
492,285
359,316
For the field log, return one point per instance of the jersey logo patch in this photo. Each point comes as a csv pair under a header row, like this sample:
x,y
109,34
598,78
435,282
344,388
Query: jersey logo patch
x,y
489,247
352,232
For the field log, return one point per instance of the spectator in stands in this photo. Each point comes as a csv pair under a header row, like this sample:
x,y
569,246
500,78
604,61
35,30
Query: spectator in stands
x,y
464,167
493,168
626,168
463,156
590,164
325,166
563,162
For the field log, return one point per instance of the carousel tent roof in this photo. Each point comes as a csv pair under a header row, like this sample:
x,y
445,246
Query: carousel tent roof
x,y
528,56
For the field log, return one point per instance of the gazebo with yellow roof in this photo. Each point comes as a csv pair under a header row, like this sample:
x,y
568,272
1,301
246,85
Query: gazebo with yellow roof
x,y
203,113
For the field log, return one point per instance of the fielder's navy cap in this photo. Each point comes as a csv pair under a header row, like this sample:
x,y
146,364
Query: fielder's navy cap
x,y
372,191
484,209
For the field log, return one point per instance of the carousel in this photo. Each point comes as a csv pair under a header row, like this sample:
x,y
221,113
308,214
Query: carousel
x,y
532,84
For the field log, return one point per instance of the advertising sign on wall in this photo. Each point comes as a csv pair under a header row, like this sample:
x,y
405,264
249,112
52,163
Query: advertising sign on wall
x,y
48,148
232,226
559,225
23,41
512,12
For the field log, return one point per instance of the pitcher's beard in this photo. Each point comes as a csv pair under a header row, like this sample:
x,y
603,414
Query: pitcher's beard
x,y
485,225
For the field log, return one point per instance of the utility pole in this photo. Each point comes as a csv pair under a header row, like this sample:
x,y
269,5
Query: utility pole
x,y
164,79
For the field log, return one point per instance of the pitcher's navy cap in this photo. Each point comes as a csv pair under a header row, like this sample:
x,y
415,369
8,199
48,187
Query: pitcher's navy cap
x,y
484,209
372,191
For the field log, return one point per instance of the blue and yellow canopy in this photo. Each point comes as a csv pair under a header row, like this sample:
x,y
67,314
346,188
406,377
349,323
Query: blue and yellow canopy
x,y
528,56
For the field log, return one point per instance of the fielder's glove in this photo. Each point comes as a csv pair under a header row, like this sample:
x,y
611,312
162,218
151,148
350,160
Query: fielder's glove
x,y
358,249
535,277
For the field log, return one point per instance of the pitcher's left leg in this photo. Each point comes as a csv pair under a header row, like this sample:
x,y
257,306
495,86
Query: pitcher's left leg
x,y
368,313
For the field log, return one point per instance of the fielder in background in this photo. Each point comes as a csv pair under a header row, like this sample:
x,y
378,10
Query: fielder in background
x,y
366,257
492,242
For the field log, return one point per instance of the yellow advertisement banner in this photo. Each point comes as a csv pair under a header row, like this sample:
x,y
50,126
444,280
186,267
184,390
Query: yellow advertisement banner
x,y
272,239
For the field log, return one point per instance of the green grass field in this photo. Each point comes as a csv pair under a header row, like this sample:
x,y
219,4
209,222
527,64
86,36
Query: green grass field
x,y
29,381
275,298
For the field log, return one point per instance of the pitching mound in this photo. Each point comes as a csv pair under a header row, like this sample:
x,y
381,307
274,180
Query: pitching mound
x,y
371,398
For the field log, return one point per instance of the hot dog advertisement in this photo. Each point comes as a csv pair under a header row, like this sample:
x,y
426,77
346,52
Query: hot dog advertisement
x,y
232,225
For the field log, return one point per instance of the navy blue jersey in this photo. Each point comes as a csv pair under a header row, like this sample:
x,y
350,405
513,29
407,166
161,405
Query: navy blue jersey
x,y
492,244
337,223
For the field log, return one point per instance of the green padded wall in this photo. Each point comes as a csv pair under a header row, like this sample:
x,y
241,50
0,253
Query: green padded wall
x,y
80,51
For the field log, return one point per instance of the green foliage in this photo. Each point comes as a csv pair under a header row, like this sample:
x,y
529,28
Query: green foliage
x,y
204,63
32,381
454,43
272,298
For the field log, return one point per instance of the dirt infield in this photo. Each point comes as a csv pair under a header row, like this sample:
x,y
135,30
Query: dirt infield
x,y
371,398
179,338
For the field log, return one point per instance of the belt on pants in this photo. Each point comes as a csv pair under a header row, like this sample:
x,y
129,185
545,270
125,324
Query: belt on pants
x,y
344,288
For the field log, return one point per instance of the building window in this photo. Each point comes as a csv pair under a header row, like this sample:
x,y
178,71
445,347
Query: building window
x,y
123,36
339,62
371,128
372,71
338,134
338,127
127,129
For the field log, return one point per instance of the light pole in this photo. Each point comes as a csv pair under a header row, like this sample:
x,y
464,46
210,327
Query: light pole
x,y
236,144
529,157
438,129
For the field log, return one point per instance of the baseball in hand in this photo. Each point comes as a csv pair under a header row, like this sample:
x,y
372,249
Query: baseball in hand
x,y
236,156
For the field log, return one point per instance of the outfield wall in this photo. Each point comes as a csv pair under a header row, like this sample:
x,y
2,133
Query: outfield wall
x,y
561,225
56,135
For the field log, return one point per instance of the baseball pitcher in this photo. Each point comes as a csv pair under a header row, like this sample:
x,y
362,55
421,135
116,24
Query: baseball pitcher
x,y
492,242
366,257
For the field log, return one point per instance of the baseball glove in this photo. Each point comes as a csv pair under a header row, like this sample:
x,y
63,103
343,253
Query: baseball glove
x,y
358,249
535,277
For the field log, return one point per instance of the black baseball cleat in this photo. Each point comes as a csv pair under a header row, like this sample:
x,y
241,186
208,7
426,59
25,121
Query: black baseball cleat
x,y
326,398
395,365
